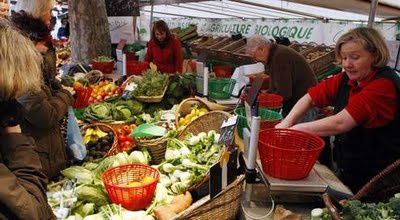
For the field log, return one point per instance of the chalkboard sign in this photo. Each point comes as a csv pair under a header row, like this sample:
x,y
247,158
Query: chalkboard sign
x,y
122,8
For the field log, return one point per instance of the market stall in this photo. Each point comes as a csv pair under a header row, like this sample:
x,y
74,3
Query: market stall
x,y
154,150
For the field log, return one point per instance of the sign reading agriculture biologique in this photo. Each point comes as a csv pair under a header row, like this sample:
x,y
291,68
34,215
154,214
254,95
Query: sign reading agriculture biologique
x,y
296,30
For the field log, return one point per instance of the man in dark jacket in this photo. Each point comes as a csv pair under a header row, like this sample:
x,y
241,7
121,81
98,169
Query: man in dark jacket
x,y
290,74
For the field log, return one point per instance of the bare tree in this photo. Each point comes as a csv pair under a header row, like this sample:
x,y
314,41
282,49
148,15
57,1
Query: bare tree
x,y
90,35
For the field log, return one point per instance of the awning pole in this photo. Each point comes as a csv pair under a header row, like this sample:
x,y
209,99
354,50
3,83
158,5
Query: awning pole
x,y
151,16
372,12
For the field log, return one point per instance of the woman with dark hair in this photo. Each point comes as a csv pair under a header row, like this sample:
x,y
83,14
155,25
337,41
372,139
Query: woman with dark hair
x,y
164,49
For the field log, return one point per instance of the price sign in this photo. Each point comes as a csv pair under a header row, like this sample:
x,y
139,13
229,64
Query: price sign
x,y
228,131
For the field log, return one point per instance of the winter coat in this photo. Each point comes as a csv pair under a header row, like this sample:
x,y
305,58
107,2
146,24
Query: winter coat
x,y
43,113
23,184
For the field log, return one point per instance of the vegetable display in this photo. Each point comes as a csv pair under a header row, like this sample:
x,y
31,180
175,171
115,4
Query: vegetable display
x,y
103,91
104,59
151,84
119,110
188,161
194,113
83,194
98,142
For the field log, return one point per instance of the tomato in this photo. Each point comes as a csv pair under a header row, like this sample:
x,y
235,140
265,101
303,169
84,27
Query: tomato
x,y
120,132
129,138
127,145
101,83
133,126
127,129
122,139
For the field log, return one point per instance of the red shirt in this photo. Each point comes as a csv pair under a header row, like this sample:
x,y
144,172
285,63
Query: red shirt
x,y
372,103
168,59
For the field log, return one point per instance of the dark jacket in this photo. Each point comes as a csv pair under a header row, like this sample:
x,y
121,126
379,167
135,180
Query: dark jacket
x,y
290,75
43,113
362,153
23,184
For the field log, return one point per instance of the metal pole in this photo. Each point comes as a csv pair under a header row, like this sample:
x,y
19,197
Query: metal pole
x,y
372,12
151,16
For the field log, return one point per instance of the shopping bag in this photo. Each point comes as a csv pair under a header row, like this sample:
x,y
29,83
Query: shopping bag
x,y
75,146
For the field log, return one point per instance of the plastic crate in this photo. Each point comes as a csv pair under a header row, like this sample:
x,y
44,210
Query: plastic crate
x,y
134,67
104,67
269,119
220,88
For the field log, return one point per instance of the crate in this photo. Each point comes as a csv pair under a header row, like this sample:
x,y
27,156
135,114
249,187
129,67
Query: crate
x,y
302,48
320,63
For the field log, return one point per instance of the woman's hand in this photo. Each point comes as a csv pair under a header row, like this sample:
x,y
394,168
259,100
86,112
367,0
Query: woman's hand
x,y
284,124
10,130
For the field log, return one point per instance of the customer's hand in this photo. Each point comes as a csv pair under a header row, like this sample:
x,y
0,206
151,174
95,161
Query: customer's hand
x,y
69,89
10,130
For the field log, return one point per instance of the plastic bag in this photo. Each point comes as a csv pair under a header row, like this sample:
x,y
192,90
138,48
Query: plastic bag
x,y
75,146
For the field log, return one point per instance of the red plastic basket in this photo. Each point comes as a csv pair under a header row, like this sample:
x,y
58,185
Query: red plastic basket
x,y
265,77
134,67
223,71
288,154
130,197
82,97
104,67
270,101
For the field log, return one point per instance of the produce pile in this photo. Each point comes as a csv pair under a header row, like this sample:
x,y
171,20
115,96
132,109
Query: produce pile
x,y
152,83
84,193
103,59
356,210
188,161
314,55
97,142
103,91
195,112
118,110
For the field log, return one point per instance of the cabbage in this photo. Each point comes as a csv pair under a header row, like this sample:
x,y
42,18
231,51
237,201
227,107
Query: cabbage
x,y
92,194
79,173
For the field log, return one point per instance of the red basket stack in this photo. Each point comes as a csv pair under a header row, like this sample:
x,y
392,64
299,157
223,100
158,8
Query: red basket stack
x,y
130,197
223,71
134,67
82,97
288,154
104,67
270,101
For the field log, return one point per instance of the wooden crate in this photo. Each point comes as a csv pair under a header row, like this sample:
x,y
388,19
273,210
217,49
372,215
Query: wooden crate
x,y
324,57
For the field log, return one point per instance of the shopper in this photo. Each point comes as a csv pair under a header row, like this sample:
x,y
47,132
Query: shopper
x,y
23,184
366,105
44,111
63,31
164,49
290,74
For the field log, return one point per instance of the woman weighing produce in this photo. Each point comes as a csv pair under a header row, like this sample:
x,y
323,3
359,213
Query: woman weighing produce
x,y
164,49
365,97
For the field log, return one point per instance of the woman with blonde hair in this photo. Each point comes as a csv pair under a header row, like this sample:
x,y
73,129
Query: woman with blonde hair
x,y
44,111
365,97
23,184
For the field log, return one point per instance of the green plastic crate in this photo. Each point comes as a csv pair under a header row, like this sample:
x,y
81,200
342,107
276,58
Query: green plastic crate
x,y
269,119
220,88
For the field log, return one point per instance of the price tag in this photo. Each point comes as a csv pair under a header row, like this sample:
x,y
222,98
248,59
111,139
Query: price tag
x,y
127,94
223,173
228,131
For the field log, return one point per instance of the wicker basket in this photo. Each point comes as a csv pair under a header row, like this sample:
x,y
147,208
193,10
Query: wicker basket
x,y
106,128
156,148
380,188
147,99
222,207
207,122
185,106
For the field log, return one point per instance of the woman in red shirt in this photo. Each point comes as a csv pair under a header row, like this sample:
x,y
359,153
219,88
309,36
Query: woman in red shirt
x,y
365,97
164,49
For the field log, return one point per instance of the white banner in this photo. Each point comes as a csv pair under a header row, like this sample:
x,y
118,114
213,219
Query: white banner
x,y
121,28
296,30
